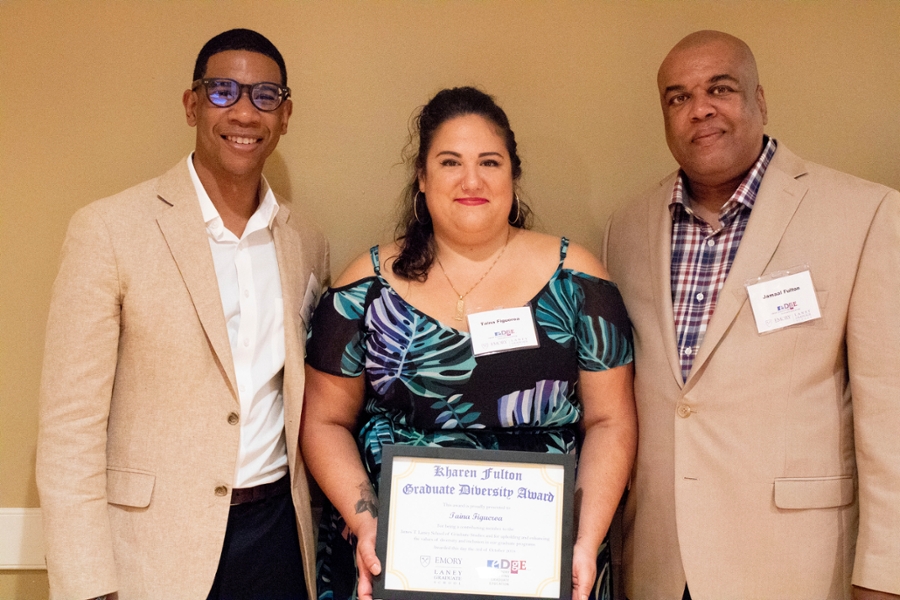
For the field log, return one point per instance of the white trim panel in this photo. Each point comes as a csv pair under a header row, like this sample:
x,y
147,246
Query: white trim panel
x,y
21,539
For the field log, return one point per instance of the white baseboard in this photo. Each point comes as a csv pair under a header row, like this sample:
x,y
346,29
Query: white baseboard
x,y
21,539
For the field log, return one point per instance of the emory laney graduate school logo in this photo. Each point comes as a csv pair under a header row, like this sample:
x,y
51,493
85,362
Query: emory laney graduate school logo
x,y
424,560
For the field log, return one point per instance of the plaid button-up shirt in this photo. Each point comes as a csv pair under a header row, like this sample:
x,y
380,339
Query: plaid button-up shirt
x,y
702,255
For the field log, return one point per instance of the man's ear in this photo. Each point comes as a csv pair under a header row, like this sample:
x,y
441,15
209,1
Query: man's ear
x,y
761,102
285,117
189,99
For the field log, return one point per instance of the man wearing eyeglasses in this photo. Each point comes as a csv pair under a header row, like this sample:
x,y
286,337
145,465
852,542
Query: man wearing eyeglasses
x,y
168,464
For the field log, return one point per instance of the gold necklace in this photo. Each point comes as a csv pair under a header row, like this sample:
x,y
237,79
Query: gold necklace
x,y
461,303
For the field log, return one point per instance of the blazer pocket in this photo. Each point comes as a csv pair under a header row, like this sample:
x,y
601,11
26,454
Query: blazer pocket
x,y
813,492
129,487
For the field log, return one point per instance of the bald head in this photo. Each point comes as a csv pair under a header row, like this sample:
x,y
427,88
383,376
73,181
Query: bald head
x,y
714,110
714,41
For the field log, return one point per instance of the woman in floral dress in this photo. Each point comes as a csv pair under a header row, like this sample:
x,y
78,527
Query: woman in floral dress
x,y
390,356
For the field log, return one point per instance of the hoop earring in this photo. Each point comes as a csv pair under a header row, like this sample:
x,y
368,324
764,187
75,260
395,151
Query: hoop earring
x,y
416,207
518,210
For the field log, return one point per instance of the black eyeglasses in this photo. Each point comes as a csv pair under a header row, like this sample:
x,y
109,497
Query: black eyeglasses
x,y
225,92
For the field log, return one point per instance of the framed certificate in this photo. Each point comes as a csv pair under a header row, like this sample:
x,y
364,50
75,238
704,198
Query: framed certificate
x,y
474,523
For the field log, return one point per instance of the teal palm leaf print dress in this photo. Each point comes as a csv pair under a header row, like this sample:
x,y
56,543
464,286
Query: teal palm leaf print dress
x,y
424,387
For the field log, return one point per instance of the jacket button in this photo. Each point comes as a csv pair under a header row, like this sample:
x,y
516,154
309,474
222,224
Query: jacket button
x,y
683,410
233,418
221,490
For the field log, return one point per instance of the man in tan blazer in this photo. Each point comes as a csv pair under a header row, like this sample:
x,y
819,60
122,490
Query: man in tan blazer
x,y
769,455
168,464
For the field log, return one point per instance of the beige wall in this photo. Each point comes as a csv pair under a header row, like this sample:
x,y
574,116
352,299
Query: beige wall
x,y
90,104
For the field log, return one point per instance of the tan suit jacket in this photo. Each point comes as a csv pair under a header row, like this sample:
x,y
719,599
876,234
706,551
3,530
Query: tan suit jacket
x,y
780,455
136,452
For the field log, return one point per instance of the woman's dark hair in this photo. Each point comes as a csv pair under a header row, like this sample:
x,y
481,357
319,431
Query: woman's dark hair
x,y
415,233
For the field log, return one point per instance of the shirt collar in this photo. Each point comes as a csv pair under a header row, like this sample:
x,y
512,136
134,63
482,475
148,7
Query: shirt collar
x,y
265,212
745,193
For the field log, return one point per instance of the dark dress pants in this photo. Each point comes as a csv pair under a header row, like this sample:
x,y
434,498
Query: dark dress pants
x,y
261,554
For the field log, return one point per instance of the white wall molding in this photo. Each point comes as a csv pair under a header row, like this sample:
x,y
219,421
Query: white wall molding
x,y
21,539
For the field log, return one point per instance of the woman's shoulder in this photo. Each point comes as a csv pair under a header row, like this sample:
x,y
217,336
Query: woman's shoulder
x,y
579,258
540,242
545,247
362,267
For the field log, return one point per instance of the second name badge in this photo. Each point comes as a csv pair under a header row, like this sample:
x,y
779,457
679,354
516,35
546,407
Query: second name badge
x,y
783,299
502,330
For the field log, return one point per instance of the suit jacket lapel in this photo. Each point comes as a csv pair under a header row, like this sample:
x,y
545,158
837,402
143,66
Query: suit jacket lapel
x,y
659,230
294,269
292,266
776,202
183,227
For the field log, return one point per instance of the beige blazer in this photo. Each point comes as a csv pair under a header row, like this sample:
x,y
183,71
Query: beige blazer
x,y
136,452
780,455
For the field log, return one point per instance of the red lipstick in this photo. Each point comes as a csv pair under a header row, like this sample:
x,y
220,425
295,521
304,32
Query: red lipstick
x,y
472,201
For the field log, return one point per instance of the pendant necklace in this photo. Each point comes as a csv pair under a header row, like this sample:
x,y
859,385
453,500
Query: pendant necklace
x,y
461,303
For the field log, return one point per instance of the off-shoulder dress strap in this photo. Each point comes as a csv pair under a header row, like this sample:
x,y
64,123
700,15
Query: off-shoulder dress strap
x,y
563,250
376,262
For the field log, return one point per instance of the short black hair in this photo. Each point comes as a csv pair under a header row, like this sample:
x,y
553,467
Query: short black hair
x,y
238,39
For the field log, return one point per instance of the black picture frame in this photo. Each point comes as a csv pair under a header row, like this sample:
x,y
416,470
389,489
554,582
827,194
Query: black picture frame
x,y
487,457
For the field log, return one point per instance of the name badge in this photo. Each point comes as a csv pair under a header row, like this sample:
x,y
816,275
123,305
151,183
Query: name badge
x,y
502,330
783,299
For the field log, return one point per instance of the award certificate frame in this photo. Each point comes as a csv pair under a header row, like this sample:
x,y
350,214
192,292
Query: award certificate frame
x,y
473,523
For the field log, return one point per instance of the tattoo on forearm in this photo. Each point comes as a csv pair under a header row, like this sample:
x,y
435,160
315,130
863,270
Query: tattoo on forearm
x,y
367,500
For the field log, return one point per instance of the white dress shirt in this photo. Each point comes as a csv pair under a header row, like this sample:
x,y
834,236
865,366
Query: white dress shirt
x,y
250,287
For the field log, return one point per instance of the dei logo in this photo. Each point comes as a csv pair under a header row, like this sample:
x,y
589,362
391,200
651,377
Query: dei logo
x,y
786,306
513,566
